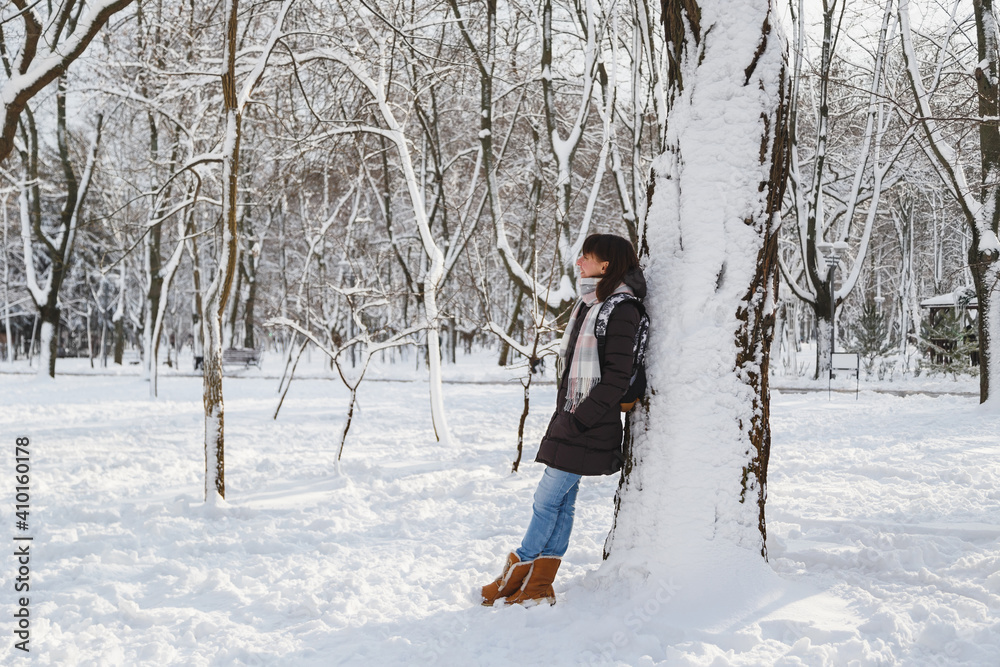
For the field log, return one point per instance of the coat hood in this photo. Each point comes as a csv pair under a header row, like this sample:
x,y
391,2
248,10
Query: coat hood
x,y
637,281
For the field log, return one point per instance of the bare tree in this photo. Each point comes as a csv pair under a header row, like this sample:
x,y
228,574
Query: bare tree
x,y
217,293
978,201
374,75
829,186
371,342
54,241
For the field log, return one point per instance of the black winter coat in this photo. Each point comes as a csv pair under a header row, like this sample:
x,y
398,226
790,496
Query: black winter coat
x,y
589,441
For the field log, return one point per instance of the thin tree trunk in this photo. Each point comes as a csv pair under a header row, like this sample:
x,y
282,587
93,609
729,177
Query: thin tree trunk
x,y
197,307
231,329
119,316
505,349
31,343
248,316
103,345
151,305
218,292
90,338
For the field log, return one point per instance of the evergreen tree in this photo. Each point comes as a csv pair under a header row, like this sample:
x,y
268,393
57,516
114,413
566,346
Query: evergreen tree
x,y
871,335
949,343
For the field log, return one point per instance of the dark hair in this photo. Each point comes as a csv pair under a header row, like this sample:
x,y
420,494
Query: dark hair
x,y
618,253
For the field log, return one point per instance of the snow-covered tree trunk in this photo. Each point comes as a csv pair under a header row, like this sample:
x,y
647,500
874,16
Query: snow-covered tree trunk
x,y
151,304
197,307
118,318
824,340
167,273
983,252
908,316
694,485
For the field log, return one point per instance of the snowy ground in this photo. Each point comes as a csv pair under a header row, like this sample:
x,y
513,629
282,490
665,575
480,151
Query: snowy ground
x,y
884,519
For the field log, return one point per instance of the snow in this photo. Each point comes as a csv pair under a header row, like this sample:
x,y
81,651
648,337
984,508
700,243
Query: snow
x,y
882,531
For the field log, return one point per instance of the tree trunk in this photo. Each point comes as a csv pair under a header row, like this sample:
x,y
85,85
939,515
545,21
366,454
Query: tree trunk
x,y
119,341
431,314
215,468
58,248
985,276
9,349
218,292
230,330
823,325
248,316
505,349
49,337
983,256
153,265
90,337
118,318
197,308
693,488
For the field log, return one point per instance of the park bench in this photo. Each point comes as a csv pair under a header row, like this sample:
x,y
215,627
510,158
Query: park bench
x,y
234,356
241,356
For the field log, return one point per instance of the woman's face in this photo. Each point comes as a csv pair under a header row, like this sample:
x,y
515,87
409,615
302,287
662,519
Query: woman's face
x,y
590,266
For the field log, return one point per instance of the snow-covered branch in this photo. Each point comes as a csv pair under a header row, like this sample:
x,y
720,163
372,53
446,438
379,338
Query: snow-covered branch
x,y
44,55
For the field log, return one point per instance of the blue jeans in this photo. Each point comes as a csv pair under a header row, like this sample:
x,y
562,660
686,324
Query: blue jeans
x,y
551,516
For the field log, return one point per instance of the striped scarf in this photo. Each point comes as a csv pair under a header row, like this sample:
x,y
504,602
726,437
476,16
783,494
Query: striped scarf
x,y
585,365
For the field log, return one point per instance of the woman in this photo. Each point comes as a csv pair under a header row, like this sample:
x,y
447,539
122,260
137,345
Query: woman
x,y
584,436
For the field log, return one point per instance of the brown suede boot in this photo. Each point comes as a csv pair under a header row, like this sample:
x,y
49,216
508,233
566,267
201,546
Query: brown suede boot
x,y
508,582
537,585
